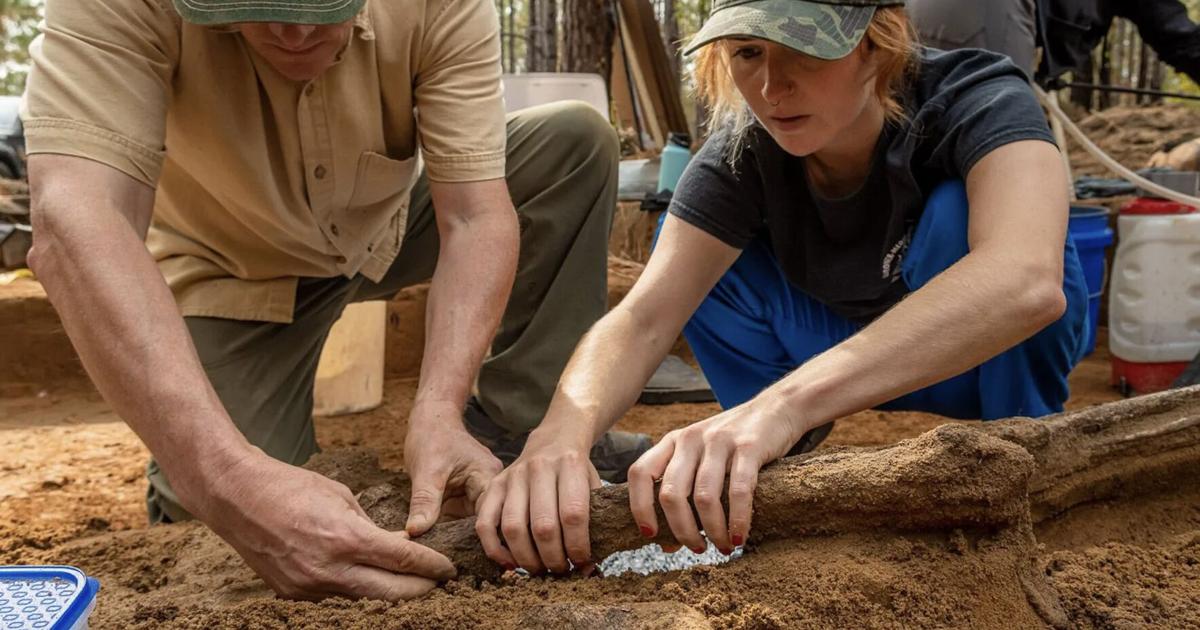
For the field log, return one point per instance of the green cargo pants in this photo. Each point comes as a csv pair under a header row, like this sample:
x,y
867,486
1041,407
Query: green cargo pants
x,y
562,175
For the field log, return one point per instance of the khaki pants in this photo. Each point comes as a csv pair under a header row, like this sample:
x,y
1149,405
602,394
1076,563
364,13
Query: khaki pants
x,y
562,175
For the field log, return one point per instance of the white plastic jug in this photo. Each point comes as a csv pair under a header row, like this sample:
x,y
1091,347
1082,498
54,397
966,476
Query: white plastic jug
x,y
350,371
1154,304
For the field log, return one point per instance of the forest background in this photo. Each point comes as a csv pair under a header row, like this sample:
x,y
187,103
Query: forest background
x,y
577,36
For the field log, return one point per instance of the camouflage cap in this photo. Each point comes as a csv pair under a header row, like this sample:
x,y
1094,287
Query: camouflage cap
x,y
293,11
826,29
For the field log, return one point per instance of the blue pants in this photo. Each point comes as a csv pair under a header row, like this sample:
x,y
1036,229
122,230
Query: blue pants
x,y
755,327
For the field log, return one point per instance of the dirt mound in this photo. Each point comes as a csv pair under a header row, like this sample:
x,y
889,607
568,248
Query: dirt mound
x,y
833,547
182,576
1120,558
1132,134
1128,586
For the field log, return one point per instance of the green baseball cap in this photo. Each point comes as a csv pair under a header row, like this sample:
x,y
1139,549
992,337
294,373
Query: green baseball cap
x,y
826,29
207,12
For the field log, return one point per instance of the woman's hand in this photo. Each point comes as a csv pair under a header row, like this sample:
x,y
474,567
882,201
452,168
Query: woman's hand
x,y
693,461
541,504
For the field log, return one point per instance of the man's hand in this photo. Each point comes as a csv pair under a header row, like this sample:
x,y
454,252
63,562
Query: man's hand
x,y
447,466
307,537
468,294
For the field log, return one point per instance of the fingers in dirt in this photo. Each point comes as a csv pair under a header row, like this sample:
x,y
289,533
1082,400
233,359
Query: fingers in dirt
x,y
544,519
574,506
642,475
710,485
743,479
673,495
371,583
487,524
396,553
514,523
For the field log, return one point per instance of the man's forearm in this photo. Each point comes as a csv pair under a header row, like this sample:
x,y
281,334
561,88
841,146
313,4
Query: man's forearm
x,y
468,295
127,330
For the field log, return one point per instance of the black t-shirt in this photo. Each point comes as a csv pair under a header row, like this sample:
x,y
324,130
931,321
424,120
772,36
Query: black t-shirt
x,y
846,252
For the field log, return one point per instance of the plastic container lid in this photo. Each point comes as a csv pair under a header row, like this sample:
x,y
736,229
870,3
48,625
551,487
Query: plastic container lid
x,y
50,597
1149,205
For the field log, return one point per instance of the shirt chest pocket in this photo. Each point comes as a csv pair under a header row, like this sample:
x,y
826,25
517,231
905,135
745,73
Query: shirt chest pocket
x,y
376,215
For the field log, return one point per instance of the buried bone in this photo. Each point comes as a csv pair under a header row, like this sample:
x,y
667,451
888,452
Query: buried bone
x,y
953,477
984,477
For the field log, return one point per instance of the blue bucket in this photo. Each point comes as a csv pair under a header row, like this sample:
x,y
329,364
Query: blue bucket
x,y
1089,229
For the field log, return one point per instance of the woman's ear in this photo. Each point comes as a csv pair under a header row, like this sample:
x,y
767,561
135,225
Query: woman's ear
x,y
866,50
868,54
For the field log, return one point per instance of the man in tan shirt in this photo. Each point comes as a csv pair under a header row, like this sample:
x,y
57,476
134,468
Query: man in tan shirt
x,y
282,158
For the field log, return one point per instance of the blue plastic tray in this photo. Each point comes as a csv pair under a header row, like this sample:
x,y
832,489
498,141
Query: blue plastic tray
x,y
49,598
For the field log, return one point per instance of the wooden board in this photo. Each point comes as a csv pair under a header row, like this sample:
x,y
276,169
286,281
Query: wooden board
x,y
645,92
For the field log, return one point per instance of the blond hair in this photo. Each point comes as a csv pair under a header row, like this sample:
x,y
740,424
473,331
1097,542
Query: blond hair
x,y
890,35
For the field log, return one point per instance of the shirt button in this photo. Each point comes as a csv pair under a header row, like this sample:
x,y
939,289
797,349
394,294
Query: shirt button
x,y
333,229
319,172
309,90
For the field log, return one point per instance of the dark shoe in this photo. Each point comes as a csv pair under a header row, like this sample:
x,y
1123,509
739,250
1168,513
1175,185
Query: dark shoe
x,y
811,440
611,456
676,382
615,453
504,445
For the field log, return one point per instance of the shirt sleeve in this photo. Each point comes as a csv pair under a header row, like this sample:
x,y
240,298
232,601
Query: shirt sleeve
x,y
99,83
986,103
1165,25
722,199
460,109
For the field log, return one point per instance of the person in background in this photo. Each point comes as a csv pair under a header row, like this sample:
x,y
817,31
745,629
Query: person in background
x,y
1067,31
1008,27
870,224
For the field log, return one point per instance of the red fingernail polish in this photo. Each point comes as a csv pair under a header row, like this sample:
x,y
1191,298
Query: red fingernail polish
x,y
508,566
698,550
646,531
737,540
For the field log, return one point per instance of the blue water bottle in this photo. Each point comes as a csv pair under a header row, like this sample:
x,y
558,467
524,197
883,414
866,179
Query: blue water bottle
x,y
675,158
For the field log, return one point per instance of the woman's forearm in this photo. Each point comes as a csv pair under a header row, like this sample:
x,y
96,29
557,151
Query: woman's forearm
x,y
959,320
606,374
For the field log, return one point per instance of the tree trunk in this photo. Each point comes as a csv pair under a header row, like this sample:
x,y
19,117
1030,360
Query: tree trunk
x,y
1145,72
542,36
1083,96
589,29
1158,72
1106,73
702,113
671,37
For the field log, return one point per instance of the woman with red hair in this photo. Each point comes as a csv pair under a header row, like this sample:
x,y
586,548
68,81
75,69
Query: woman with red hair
x,y
870,224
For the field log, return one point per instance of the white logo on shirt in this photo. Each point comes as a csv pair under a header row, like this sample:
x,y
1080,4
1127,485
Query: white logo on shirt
x,y
891,262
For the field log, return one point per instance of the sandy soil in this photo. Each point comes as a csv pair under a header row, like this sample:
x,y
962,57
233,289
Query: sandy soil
x,y
72,485
71,488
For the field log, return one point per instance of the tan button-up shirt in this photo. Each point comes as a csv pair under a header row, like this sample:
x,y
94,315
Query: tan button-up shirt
x,y
260,179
